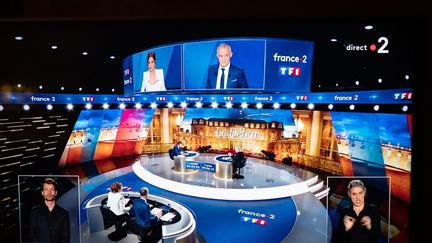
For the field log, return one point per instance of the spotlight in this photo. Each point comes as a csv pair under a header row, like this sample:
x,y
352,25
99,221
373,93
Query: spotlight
x,y
368,27
122,106
333,40
357,83
97,89
80,89
379,80
85,53
69,106
183,104
311,106
404,108
407,77
112,57
112,90
330,106
352,107
153,105
62,88
170,105
198,104
376,107
26,107
1,108
105,106
228,105
276,105
88,106
49,107
259,105
214,105
19,85
244,105
54,47
293,105
138,105
18,38
40,87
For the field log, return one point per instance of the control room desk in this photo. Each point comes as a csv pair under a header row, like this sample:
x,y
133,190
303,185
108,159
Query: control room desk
x,y
224,168
181,228
180,161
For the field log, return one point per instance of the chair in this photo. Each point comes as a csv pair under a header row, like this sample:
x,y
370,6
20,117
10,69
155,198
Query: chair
x,y
238,164
150,234
110,219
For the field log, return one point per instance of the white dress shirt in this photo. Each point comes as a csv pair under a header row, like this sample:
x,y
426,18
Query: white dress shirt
x,y
116,203
218,82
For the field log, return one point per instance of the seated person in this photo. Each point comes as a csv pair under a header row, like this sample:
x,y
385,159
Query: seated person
x,y
141,210
236,159
116,201
232,151
177,149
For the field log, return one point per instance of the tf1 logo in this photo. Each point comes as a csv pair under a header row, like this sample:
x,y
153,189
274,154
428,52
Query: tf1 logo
x,y
162,98
262,222
289,71
403,96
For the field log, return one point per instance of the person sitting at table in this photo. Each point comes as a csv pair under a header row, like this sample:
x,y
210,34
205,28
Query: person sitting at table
x,y
177,149
236,162
232,151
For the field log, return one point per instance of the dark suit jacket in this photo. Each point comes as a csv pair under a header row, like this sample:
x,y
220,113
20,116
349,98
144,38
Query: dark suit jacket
x,y
46,226
236,77
141,210
176,150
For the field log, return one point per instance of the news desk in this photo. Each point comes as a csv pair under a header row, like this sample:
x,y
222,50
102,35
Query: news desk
x,y
180,162
181,226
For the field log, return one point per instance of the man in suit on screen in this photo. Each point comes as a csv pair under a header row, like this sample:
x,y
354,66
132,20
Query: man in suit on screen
x,y
225,75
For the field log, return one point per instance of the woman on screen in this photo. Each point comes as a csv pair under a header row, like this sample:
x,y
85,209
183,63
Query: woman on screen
x,y
153,79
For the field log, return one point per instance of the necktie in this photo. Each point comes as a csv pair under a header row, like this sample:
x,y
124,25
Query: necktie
x,y
222,79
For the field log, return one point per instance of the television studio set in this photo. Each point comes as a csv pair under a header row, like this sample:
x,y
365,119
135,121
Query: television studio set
x,y
270,131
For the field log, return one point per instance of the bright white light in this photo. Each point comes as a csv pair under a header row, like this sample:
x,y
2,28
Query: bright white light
x,y
153,105
80,89
311,106
112,90
69,106
97,89
122,106
88,106
170,105
293,105
368,27
54,47
244,105
26,107
19,85
379,80
352,107
138,105
276,105
183,104
259,105
330,106
337,84
319,85
62,88
105,106
40,87
85,53
333,40
112,57
18,38
357,83
214,105
404,108
228,105
198,104
407,77
376,107
1,108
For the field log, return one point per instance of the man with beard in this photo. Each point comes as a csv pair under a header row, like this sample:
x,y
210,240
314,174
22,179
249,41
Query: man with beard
x,y
49,222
